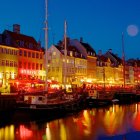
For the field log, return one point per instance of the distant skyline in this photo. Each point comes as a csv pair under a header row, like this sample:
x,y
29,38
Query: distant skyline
x,y
99,22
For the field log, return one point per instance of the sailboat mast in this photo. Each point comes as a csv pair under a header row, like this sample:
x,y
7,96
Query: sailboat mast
x,y
65,52
104,78
46,43
123,59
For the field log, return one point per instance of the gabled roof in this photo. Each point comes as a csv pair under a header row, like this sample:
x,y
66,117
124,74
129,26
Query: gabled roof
x,y
88,48
16,36
114,58
20,41
79,46
102,58
133,62
75,51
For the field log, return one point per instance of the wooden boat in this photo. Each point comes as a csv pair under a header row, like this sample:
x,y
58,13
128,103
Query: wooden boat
x,y
38,105
99,98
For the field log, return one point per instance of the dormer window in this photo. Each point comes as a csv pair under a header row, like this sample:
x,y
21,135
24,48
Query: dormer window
x,y
21,43
30,46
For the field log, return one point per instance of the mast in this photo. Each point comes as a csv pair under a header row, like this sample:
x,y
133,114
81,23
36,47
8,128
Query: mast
x,y
104,77
65,52
46,43
123,59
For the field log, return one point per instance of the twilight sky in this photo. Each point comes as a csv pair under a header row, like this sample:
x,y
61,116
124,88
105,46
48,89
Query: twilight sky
x,y
99,22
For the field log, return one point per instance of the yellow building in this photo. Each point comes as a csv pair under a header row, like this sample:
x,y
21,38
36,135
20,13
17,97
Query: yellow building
x,y
21,59
55,62
69,70
8,66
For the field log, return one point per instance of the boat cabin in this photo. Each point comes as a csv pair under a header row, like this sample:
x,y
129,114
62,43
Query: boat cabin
x,y
92,93
32,99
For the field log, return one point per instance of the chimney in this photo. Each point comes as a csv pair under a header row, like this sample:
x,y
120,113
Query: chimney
x,y
110,50
81,39
100,52
16,28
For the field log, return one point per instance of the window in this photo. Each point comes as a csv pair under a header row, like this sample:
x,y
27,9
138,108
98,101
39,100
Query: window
x,y
54,53
29,66
29,54
15,52
33,66
22,43
25,53
41,56
20,64
20,52
6,51
2,50
30,45
37,66
3,62
37,55
7,62
40,66
15,64
33,55
11,52
11,63
24,65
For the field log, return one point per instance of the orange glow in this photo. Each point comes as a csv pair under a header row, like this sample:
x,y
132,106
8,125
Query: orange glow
x,y
23,71
25,132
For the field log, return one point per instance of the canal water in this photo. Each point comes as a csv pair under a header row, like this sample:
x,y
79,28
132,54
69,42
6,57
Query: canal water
x,y
114,122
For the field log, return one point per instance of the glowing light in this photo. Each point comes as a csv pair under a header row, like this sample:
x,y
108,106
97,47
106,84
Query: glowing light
x,y
132,30
48,132
89,80
63,134
25,132
0,75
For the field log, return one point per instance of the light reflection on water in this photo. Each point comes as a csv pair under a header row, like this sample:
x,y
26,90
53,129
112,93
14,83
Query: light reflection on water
x,y
87,125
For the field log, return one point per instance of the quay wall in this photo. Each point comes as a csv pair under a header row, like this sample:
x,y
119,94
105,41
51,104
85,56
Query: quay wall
x,y
7,102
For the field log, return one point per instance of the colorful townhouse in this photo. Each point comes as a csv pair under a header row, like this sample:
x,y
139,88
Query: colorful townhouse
x,y
90,55
23,57
69,70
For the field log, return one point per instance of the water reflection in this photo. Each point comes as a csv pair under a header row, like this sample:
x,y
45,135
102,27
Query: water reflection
x,y
86,125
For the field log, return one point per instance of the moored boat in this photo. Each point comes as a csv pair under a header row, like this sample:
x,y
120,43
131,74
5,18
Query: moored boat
x,y
99,98
42,105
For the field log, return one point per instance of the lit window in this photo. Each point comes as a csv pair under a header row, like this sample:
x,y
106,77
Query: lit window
x,y
11,63
3,62
7,62
54,53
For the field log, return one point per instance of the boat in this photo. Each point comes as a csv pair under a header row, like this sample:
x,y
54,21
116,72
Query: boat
x,y
48,105
99,98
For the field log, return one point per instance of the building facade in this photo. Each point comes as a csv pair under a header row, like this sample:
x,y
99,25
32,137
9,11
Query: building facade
x,y
22,60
